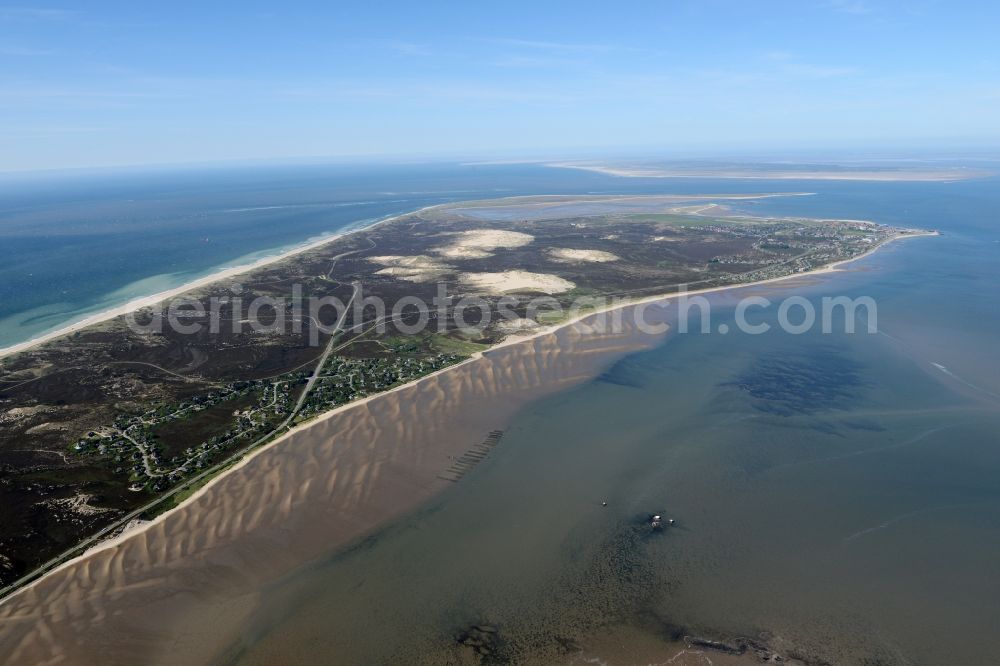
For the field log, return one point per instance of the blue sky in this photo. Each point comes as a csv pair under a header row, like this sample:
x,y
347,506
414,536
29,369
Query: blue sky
x,y
113,83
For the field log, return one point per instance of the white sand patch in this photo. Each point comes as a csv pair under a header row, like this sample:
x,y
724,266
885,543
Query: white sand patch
x,y
412,274
46,427
456,252
512,281
481,243
17,414
418,268
665,239
519,325
570,256
79,504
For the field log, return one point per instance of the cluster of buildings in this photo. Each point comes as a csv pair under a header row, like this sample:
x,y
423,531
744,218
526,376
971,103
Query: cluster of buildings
x,y
132,444
346,379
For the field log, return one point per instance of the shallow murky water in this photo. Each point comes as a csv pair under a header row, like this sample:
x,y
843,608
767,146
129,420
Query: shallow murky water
x,y
837,496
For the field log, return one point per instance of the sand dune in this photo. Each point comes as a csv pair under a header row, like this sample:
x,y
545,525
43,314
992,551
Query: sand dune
x,y
417,268
481,243
572,256
516,281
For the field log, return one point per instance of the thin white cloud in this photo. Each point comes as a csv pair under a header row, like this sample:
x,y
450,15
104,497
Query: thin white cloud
x,y
779,56
850,6
36,14
551,46
34,131
786,63
76,97
536,62
407,48
24,52
808,71
421,92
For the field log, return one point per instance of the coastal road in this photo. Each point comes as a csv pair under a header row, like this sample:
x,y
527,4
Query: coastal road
x,y
314,377
334,336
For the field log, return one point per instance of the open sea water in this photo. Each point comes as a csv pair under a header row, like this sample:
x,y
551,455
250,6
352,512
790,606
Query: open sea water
x,y
76,243
836,495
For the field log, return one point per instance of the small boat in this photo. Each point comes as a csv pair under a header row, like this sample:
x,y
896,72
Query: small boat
x,y
657,522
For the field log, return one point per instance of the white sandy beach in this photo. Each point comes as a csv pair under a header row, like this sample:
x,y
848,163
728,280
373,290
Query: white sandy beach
x,y
223,274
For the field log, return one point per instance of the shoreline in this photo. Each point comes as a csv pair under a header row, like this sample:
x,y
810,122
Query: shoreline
x,y
218,275
887,176
358,405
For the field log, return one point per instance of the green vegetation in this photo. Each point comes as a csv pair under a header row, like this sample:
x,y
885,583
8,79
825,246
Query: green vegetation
x,y
344,380
684,221
449,344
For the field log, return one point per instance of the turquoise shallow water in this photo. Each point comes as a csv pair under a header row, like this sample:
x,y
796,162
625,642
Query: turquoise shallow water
x,y
72,244
837,496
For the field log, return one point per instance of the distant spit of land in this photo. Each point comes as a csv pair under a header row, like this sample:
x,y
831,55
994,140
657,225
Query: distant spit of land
x,y
776,172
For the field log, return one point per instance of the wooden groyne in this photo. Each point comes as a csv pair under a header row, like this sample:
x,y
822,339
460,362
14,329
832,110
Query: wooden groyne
x,y
478,453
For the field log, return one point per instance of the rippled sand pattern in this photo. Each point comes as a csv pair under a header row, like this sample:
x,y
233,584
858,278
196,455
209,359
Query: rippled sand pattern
x,y
175,591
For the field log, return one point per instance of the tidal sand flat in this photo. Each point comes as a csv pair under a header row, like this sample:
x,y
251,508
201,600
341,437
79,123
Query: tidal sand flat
x,y
183,588
835,502
145,409
175,591
836,495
